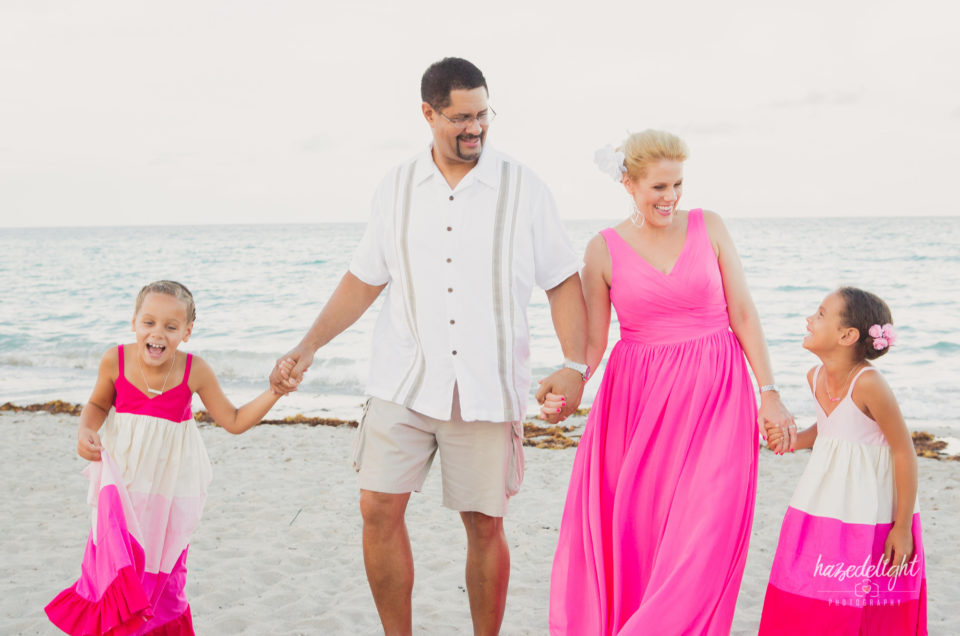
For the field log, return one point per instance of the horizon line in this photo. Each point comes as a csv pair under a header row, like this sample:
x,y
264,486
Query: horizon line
x,y
365,221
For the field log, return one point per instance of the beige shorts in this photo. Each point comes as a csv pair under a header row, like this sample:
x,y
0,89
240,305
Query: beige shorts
x,y
481,463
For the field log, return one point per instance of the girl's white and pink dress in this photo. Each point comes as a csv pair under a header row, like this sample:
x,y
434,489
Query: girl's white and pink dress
x,y
827,576
148,493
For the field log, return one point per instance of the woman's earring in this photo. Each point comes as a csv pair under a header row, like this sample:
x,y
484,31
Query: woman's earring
x,y
637,215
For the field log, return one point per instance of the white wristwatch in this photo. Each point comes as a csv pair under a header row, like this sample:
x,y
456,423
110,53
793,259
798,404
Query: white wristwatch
x,y
582,369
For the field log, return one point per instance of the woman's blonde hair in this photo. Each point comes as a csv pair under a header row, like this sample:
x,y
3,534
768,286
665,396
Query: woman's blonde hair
x,y
643,148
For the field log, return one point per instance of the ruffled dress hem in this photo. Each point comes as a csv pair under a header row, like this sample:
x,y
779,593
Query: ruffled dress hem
x,y
122,610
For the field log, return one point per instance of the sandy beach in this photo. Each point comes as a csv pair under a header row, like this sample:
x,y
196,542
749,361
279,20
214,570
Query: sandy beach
x,y
278,551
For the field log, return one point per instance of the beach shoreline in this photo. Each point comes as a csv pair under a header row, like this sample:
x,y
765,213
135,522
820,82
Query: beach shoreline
x,y
932,445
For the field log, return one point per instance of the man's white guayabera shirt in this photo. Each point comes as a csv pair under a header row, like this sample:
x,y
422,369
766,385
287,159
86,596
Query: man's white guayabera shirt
x,y
461,264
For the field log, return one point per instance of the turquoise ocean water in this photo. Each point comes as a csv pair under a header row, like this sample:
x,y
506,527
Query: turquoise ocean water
x,y
66,294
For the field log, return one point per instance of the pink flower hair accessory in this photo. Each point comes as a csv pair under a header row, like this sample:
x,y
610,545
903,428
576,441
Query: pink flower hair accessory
x,y
883,336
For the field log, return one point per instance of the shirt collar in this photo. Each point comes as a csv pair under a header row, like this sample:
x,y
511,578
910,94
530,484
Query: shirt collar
x,y
487,170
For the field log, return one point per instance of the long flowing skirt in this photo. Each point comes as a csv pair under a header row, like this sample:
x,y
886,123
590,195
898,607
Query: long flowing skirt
x,y
133,572
658,514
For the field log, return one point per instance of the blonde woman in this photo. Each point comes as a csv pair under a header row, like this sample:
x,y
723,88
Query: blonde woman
x,y
658,514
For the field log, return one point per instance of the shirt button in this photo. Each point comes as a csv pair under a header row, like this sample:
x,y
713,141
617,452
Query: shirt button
x,y
451,197
454,352
449,229
450,289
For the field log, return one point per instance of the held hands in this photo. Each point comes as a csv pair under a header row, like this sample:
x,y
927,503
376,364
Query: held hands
x,y
773,435
552,407
285,383
88,444
288,372
776,423
553,392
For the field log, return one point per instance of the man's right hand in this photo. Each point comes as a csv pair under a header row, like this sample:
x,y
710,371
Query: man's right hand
x,y
288,371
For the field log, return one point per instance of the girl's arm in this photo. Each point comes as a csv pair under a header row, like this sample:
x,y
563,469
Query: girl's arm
x,y
745,323
95,410
806,437
234,420
873,395
595,281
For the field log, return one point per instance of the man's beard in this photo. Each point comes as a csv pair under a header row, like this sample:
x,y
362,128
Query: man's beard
x,y
474,155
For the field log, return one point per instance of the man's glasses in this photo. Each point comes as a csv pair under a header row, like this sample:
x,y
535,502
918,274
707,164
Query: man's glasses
x,y
464,121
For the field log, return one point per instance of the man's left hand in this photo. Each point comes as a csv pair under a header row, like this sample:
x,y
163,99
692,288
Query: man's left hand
x,y
564,383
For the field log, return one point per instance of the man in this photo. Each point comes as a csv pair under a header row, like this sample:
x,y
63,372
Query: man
x,y
459,235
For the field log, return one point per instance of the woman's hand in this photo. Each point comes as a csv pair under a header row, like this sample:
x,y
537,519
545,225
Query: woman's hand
x,y
566,387
88,444
774,437
552,407
898,548
772,415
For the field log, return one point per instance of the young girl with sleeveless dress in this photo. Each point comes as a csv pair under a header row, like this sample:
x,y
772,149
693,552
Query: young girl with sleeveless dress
x,y
149,476
850,557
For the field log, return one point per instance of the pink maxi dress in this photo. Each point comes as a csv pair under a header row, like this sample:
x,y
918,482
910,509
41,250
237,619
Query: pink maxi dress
x,y
147,493
657,519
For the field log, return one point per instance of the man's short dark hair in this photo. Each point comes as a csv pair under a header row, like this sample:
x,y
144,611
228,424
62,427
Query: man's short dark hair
x,y
450,73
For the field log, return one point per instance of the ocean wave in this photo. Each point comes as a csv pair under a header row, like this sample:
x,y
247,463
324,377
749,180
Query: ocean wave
x,y
790,340
255,302
795,288
58,360
14,361
12,341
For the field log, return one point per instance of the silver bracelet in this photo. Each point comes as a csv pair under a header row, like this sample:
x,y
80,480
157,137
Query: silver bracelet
x,y
770,387
579,367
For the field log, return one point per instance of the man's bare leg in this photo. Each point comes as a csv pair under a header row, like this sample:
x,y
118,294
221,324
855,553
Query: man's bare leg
x,y
388,559
488,571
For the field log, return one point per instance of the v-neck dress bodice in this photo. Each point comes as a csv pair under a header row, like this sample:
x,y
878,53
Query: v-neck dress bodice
x,y
657,308
846,421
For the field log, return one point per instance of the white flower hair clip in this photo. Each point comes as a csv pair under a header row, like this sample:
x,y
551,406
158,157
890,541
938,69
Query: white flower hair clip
x,y
610,162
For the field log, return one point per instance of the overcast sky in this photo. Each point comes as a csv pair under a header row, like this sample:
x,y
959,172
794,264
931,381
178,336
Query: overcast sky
x,y
131,113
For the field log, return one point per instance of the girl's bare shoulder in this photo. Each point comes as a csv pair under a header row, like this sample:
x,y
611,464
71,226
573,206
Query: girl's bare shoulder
x,y
110,362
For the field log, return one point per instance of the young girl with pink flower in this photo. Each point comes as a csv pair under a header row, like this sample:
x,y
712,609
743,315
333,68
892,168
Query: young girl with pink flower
x,y
850,558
